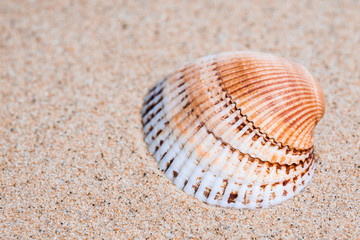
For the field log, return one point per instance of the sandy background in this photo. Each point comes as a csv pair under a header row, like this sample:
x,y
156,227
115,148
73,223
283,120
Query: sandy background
x,y
73,76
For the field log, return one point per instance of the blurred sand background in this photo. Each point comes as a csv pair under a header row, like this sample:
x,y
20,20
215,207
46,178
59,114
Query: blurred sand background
x,y
73,76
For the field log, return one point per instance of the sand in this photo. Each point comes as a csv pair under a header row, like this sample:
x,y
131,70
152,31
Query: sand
x,y
73,76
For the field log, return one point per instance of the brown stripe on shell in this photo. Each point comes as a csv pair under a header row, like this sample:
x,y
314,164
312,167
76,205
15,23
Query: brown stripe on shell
x,y
232,197
148,109
207,192
146,121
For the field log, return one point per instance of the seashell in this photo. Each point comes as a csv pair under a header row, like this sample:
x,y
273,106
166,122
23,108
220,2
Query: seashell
x,y
235,129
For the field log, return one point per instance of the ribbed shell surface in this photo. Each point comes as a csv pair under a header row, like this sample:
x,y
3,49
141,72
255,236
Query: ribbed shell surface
x,y
235,129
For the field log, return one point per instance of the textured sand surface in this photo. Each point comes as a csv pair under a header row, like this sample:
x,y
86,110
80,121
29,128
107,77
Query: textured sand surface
x,y
73,76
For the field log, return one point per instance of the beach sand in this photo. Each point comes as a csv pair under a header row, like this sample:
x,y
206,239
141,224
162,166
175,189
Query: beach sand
x,y
73,77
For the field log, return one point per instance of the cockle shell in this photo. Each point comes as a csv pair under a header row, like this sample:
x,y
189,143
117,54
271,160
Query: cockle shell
x,y
235,129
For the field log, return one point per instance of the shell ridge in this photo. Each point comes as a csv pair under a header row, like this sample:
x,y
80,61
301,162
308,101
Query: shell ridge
x,y
245,82
154,112
319,100
305,176
267,77
252,71
192,152
210,176
190,124
245,173
150,108
268,95
198,171
256,130
178,141
252,123
217,176
247,155
255,142
300,120
154,90
214,158
306,130
181,120
289,98
253,158
267,88
184,144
